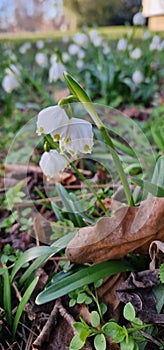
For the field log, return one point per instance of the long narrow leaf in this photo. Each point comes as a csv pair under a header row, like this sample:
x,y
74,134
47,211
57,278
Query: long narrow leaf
x,y
57,246
29,255
85,276
22,305
7,295
149,187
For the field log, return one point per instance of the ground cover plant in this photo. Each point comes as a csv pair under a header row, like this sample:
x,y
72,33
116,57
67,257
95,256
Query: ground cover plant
x,y
82,192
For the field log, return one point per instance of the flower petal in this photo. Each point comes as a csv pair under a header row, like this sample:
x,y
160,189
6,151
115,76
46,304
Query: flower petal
x,y
51,118
51,163
78,137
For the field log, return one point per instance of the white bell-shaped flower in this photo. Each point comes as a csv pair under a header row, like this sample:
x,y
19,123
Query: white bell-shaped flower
x,y
9,83
50,119
10,80
139,19
41,59
122,44
77,136
137,77
52,163
56,72
80,39
136,53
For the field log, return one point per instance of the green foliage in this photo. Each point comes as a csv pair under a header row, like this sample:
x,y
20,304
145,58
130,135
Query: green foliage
x,y
85,275
126,337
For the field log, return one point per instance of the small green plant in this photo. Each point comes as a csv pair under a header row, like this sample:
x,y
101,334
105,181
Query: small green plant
x,y
128,337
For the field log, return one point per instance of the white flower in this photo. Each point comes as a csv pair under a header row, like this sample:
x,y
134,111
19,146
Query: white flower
x,y
137,77
56,72
73,49
136,53
74,135
10,80
161,46
95,38
155,43
139,19
41,59
40,44
53,58
146,35
65,57
80,39
79,64
23,49
93,34
122,45
81,54
77,136
52,163
106,49
51,118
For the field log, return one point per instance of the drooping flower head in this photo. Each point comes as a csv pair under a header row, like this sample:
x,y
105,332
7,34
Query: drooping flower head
x,y
52,163
10,80
139,19
74,135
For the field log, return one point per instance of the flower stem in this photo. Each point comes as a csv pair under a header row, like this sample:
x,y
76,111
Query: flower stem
x,y
85,100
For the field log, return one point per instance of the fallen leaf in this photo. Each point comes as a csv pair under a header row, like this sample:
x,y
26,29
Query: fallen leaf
x,y
130,229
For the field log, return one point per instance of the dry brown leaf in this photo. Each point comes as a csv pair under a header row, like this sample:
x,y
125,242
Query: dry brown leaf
x,y
130,229
154,251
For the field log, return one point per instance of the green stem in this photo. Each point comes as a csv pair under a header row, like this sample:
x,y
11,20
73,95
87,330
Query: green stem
x,y
82,97
118,165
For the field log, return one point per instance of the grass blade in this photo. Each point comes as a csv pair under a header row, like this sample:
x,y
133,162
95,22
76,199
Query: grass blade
x,y
57,246
29,255
22,304
149,187
7,295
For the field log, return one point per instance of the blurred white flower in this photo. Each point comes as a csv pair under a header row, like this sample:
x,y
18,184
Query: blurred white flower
x,y
26,46
74,135
155,43
65,57
79,63
137,77
53,58
139,19
106,49
73,49
95,38
40,44
161,46
80,39
146,35
122,44
10,80
56,72
136,53
51,118
93,34
52,163
41,59
81,54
